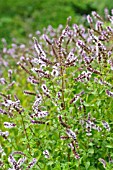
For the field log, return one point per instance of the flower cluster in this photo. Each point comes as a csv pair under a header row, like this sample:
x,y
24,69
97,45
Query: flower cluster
x,y
46,153
9,125
17,165
4,134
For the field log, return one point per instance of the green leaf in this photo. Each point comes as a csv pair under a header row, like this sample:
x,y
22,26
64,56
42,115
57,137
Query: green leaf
x,y
87,164
109,146
91,151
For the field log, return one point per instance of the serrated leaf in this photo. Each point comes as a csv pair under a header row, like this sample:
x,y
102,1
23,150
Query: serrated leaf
x,y
87,164
91,150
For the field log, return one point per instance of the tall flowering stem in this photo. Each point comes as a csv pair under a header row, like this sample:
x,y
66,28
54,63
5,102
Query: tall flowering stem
x,y
26,133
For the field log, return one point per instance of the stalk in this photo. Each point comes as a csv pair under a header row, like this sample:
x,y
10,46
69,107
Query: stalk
x,y
26,134
63,102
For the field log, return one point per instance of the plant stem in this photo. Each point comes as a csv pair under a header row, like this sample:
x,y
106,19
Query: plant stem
x,y
26,134
61,72
62,89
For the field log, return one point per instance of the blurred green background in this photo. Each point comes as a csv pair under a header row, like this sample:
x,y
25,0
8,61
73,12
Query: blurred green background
x,y
18,18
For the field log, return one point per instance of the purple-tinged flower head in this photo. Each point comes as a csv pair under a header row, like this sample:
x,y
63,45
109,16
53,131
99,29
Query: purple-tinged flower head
x,y
50,31
4,50
41,73
3,112
39,114
84,76
71,134
11,84
80,43
22,46
8,103
106,125
2,80
42,64
109,93
37,102
111,11
97,16
22,58
39,49
106,12
94,126
109,53
9,125
45,90
11,52
62,122
103,162
70,34
90,124
13,162
17,101
91,34
104,35
88,129
111,63
4,134
55,73
10,74
32,163
90,69
46,153
10,71
69,19
37,32
76,28
46,38
70,57
76,97
110,18
39,122
35,61
49,28
60,27
14,45
86,59
70,145
11,103
65,32
97,50
16,165
76,155
32,80
100,81
109,29
59,94
98,26
89,19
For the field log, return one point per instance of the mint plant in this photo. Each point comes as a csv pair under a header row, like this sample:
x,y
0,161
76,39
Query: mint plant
x,y
66,121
